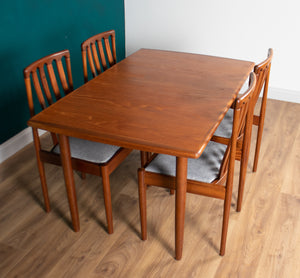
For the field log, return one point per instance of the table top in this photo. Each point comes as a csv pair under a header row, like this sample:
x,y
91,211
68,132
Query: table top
x,y
160,101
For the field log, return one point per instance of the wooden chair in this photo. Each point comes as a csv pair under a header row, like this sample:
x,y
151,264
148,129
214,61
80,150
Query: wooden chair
x,y
207,174
87,157
262,72
102,45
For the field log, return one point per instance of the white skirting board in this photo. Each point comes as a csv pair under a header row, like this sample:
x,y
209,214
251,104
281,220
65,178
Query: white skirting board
x,y
19,141
284,95
16,143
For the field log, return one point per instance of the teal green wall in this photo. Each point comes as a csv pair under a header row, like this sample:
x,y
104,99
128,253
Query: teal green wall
x,y
31,29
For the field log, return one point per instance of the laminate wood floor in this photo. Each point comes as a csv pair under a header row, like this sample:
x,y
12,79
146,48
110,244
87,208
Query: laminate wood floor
x,y
263,239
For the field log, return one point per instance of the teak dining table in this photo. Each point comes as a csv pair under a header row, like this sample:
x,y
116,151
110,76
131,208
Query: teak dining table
x,y
154,101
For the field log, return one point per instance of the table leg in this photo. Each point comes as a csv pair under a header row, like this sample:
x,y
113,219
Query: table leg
x,y
181,180
69,179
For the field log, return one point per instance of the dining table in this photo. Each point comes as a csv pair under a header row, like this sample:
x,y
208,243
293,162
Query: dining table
x,y
154,101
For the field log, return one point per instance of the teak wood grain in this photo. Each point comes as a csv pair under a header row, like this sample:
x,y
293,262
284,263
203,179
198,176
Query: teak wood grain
x,y
150,101
154,101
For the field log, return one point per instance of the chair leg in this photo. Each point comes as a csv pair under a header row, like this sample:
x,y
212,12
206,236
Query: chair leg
x,y
261,124
258,143
142,201
107,199
227,200
44,185
226,212
41,169
243,168
148,156
143,158
242,178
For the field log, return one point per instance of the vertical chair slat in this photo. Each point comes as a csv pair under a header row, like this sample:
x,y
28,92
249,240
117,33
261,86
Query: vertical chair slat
x,y
96,58
102,55
224,164
260,75
84,62
45,85
69,72
108,51
38,89
53,81
91,62
29,95
62,76
242,116
113,42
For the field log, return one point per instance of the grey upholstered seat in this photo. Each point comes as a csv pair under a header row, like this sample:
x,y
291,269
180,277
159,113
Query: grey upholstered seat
x,y
205,168
89,151
225,127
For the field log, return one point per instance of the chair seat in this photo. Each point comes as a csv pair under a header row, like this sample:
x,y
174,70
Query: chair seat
x,y
89,151
225,127
205,168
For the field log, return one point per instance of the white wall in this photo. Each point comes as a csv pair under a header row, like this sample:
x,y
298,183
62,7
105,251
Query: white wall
x,y
230,28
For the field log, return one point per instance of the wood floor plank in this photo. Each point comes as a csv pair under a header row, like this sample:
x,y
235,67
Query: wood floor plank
x,y
280,257
9,257
122,258
15,206
292,172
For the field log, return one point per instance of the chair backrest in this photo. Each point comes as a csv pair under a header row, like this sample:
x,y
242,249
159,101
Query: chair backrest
x,y
102,45
243,113
44,70
262,71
